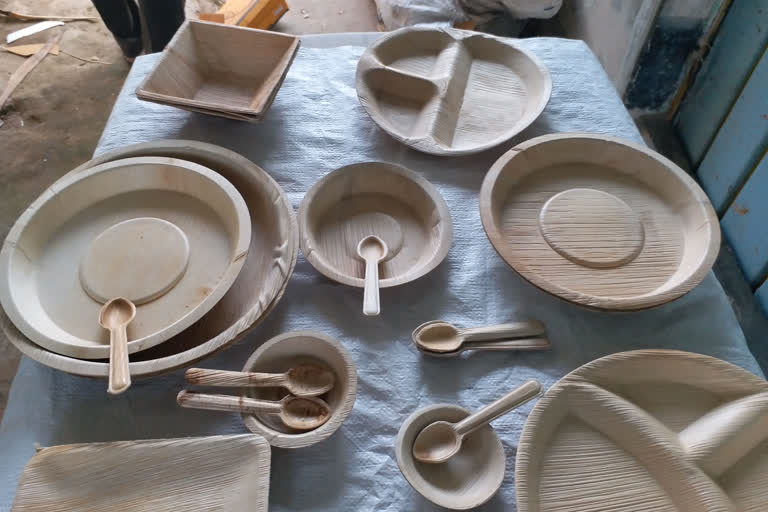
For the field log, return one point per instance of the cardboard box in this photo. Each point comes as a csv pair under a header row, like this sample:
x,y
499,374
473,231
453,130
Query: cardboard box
x,y
250,13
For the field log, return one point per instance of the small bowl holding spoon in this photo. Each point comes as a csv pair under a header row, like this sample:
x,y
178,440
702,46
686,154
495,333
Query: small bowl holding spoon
x,y
441,440
305,363
286,351
474,472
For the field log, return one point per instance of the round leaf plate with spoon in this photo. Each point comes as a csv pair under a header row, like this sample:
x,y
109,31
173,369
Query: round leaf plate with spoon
x,y
167,234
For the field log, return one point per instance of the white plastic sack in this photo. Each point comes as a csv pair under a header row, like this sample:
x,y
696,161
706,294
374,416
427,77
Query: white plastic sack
x,y
395,14
518,9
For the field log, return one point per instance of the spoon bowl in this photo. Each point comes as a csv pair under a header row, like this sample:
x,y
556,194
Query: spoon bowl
x,y
437,336
438,441
372,247
309,380
116,313
304,413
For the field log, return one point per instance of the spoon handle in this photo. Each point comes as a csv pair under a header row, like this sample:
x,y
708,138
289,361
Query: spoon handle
x,y
119,371
224,378
515,344
490,412
226,403
504,331
371,290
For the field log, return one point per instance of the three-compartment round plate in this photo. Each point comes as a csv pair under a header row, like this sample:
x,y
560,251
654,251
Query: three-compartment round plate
x,y
450,91
169,234
658,430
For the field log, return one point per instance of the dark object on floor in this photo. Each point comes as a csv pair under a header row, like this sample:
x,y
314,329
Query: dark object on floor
x,y
23,70
124,19
658,71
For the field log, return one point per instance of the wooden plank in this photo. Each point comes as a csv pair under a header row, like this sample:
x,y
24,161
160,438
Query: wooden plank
x,y
745,226
738,45
214,17
25,50
762,296
260,14
22,71
268,18
740,143
32,17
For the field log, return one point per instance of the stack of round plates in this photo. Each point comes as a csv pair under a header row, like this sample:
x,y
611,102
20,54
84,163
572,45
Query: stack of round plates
x,y
199,238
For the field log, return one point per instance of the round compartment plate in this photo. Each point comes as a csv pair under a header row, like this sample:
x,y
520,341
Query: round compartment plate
x,y
450,91
658,430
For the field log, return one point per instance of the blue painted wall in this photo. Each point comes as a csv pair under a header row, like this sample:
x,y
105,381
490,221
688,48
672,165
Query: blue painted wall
x,y
723,122
745,225
740,142
741,39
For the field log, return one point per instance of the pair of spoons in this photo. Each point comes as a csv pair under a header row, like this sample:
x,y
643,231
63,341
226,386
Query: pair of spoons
x,y
441,339
301,410
441,440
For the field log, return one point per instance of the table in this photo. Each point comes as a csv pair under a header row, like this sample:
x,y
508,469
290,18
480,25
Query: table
x,y
314,126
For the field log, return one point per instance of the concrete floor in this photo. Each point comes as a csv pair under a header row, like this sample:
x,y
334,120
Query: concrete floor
x,y
55,117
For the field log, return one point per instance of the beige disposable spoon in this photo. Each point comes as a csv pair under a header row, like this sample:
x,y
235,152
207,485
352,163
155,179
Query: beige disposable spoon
x,y
373,250
514,345
300,413
441,440
439,336
301,380
115,316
